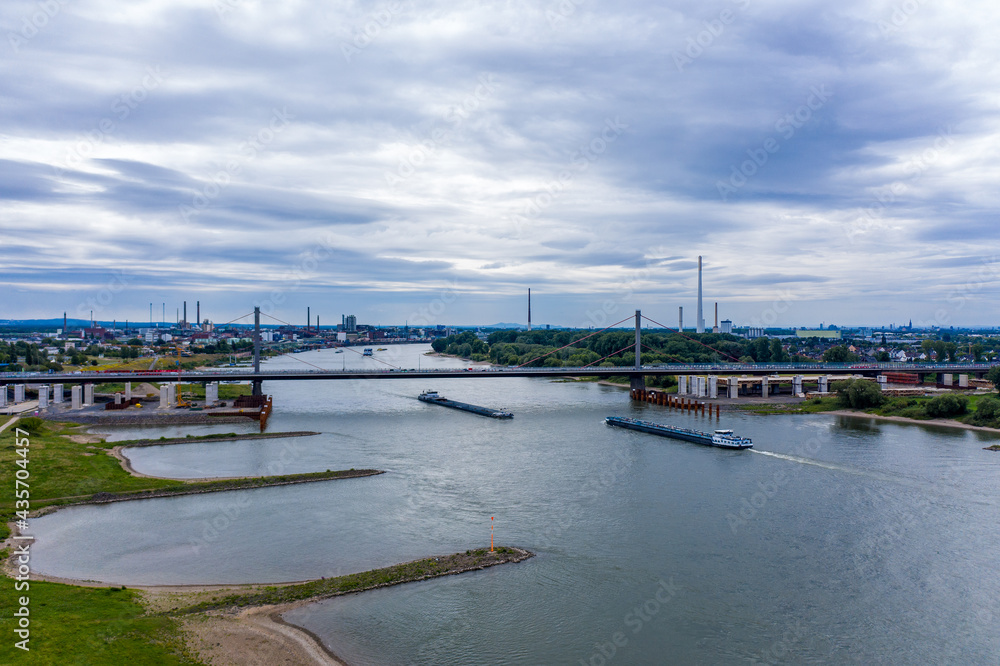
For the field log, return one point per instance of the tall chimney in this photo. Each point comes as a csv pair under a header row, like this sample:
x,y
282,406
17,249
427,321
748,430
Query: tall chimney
x,y
185,314
680,319
308,317
529,308
700,322
715,329
197,318
65,334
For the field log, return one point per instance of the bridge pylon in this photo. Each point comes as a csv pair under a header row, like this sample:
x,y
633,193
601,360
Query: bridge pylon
x,y
637,381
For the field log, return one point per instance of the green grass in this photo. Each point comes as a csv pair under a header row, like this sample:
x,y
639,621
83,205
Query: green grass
x,y
88,626
394,575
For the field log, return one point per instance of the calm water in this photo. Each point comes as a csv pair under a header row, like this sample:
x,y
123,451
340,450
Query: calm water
x,y
834,540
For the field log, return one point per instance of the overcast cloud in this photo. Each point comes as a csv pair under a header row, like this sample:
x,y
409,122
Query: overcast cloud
x,y
838,159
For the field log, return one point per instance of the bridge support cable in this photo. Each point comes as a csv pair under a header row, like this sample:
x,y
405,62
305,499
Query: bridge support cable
x,y
717,351
575,342
281,321
625,348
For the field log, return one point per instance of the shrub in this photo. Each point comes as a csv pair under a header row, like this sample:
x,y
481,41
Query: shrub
x,y
947,405
858,393
987,411
32,424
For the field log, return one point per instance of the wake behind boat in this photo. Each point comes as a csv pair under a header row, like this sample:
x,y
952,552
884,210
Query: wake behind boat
x,y
723,439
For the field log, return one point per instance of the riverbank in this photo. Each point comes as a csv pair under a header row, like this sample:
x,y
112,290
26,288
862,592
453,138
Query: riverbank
x,y
946,423
228,437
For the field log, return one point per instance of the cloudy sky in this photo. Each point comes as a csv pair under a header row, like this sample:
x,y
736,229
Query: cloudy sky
x,y
429,161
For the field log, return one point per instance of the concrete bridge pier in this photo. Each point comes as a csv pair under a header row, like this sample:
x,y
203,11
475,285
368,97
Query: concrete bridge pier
x,y
823,384
682,384
797,385
733,384
118,398
883,382
963,381
713,387
164,396
18,393
43,397
947,379
765,388
57,394
88,394
3,395
211,393
128,391
76,397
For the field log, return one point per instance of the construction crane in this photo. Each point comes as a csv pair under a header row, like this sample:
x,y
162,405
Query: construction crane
x,y
180,400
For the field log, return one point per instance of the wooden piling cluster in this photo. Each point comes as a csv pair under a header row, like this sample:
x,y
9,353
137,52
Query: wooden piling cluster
x,y
669,400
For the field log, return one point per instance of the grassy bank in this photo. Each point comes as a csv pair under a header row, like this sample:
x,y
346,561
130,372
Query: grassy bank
x,y
88,625
431,567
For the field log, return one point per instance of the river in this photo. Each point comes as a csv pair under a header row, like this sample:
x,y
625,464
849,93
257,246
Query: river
x,y
836,539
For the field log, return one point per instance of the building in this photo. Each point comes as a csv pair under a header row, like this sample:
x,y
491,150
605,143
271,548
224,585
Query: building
x,y
726,326
829,334
349,323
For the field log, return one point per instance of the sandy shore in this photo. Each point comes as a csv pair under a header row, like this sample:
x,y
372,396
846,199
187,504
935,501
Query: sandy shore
x,y
947,423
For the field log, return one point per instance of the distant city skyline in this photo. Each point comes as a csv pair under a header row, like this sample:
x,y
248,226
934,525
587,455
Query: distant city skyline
x,y
429,162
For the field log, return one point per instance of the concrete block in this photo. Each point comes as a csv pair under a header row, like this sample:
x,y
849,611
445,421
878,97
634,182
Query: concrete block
x,y
118,398
76,397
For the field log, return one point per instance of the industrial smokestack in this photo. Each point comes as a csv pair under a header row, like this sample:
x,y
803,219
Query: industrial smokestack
x,y
185,320
700,322
65,334
308,318
680,318
715,329
197,318
529,308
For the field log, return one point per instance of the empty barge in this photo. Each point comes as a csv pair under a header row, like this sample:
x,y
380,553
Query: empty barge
x,y
723,439
434,398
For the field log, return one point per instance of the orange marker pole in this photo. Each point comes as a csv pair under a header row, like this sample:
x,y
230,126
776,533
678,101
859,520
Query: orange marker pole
x,y
491,534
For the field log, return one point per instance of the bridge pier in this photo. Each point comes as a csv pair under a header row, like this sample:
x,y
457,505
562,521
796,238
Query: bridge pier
x,y
883,382
164,396
764,388
963,381
57,394
682,384
128,391
211,393
713,387
946,379
797,385
18,393
733,384
43,397
88,394
76,397
3,395
823,386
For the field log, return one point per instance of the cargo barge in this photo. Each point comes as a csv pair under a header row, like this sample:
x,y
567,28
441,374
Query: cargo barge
x,y
434,398
723,439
